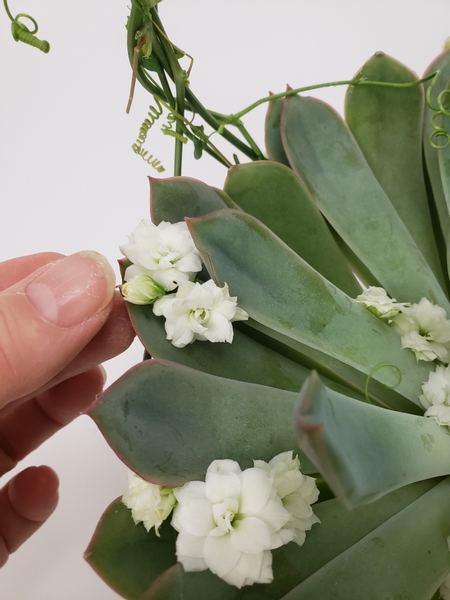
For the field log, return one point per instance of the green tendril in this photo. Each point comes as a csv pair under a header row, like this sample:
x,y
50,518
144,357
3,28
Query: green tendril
x,y
234,119
21,33
153,115
167,129
440,109
389,387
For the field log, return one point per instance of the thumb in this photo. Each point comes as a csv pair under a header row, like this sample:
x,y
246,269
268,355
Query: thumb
x,y
47,318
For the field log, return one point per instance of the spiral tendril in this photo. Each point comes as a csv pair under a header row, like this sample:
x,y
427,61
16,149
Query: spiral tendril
x,y
443,101
167,129
21,33
389,387
153,115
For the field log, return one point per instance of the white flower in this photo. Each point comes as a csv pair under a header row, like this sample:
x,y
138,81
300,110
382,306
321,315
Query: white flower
x,y
199,312
296,491
165,252
436,395
376,300
141,289
425,330
149,503
230,523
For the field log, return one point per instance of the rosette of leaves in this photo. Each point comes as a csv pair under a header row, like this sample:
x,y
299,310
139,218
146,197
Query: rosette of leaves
x,y
368,196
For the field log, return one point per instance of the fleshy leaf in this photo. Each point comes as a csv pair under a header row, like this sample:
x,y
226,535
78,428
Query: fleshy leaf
x,y
274,144
169,422
364,451
442,201
174,198
245,359
281,291
276,196
125,556
336,374
387,125
406,557
323,152
339,530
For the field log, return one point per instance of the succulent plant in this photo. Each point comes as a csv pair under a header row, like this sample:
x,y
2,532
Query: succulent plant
x,y
336,205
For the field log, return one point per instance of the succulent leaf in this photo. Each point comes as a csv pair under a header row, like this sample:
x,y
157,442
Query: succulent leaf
x,y
364,451
277,197
323,152
169,422
281,291
387,125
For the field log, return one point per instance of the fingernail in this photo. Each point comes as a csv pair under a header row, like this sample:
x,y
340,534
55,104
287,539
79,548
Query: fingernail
x,y
73,289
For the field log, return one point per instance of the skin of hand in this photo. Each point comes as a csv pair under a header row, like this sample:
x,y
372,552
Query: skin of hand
x,y
60,317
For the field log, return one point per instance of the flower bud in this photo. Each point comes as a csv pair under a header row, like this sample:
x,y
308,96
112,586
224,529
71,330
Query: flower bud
x,y
142,289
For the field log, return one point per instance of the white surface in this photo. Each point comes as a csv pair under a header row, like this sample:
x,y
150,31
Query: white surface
x,y
69,180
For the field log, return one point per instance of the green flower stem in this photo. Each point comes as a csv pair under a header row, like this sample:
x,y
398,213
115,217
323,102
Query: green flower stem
x,y
190,97
251,141
237,116
180,79
8,12
215,152
198,107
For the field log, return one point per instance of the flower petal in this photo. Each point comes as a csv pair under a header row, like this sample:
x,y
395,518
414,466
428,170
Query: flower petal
x,y
220,554
250,535
256,490
190,545
195,517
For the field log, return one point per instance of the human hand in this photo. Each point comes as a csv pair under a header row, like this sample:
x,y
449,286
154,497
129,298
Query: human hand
x,y
59,318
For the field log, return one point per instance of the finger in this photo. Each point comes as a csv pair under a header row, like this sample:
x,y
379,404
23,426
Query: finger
x,y
26,502
49,317
26,425
114,337
16,269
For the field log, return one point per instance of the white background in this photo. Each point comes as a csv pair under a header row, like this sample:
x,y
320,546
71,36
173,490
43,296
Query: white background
x,y
69,180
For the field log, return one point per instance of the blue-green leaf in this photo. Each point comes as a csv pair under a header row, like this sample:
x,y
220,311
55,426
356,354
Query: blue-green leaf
x,y
364,451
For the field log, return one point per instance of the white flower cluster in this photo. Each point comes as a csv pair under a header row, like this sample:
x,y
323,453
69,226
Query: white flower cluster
x,y
164,258
150,504
425,329
230,522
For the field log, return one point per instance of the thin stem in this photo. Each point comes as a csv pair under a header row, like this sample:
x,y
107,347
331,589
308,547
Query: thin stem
x,y
212,122
8,12
251,141
235,118
198,132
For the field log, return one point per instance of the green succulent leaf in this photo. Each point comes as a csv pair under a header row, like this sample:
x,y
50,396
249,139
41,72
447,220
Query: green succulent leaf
x,y
336,374
174,198
387,125
274,143
282,292
169,422
406,557
276,196
441,196
364,451
323,152
338,531
244,360
125,555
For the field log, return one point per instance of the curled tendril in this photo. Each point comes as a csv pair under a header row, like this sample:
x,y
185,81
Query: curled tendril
x,y
21,33
153,115
443,101
167,129
389,387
